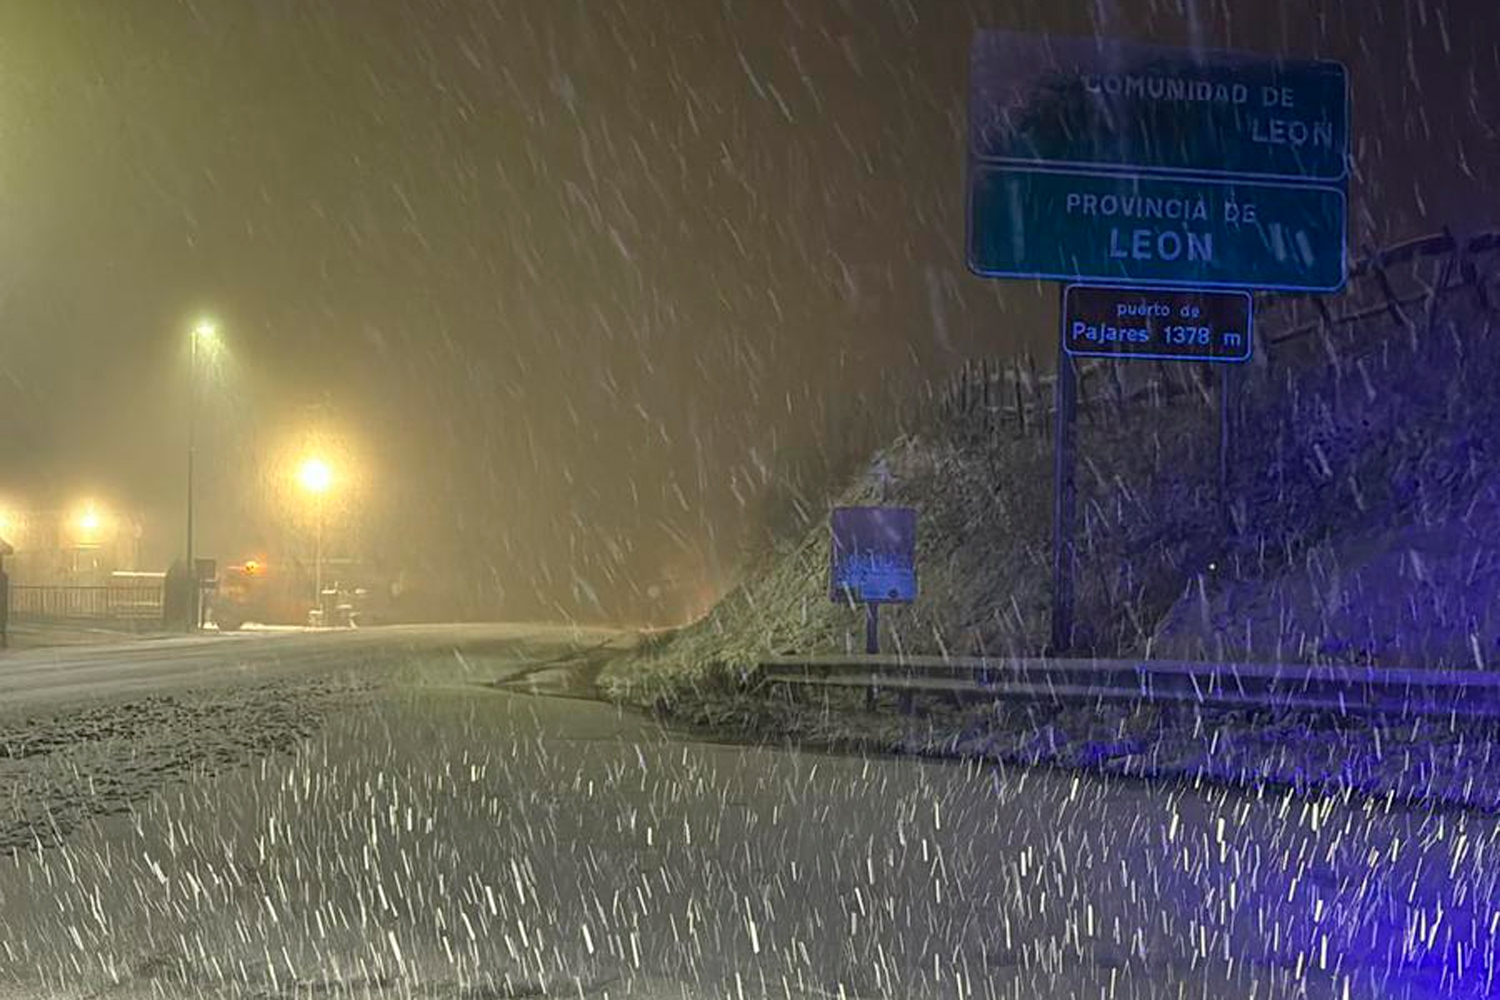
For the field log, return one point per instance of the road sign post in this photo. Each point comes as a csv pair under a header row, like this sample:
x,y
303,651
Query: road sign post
x,y
1064,494
873,561
1163,174
1227,401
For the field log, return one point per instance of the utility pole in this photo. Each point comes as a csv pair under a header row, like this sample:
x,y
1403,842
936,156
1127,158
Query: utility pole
x,y
207,332
318,567
1063,499
192,572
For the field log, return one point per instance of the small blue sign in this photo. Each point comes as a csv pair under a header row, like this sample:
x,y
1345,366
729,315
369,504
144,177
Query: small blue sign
x,y
1104,103
1161,324
874,555
1066,226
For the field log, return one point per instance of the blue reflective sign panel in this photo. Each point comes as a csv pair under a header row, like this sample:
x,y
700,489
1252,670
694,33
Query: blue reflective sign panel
x,y
1103,161
874,555
1163,324
1094,102
1028,223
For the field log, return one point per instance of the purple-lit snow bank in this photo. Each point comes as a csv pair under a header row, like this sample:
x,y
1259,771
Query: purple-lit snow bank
x,y
1365,508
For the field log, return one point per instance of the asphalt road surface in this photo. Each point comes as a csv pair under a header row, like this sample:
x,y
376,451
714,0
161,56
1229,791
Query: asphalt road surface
x,y
427,834
161,664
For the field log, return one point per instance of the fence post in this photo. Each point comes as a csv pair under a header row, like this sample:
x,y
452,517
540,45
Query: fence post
x,y
1470,275
1392,302
1455,258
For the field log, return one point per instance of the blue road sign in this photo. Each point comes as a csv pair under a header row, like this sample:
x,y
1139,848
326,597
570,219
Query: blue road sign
x,y
1028,223
874,555
1102,161
1164,324
1093,102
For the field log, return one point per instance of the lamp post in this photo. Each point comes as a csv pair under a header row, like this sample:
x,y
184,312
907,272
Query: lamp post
x,y
316,477
206,332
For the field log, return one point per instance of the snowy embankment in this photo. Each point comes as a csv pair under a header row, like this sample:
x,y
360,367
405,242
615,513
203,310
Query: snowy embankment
x,y
1365,503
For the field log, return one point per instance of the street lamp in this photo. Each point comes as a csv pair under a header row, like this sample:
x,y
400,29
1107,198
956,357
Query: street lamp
x,y
208,334
89,521
316,477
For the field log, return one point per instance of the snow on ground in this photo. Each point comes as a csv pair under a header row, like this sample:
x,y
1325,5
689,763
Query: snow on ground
x,y
1430,761
451,842
61,767
1362,530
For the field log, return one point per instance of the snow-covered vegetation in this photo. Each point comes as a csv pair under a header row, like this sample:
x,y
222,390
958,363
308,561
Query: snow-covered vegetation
x,y
1362,506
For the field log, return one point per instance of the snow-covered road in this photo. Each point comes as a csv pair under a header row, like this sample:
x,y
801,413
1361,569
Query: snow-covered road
x,y
109,670
435,837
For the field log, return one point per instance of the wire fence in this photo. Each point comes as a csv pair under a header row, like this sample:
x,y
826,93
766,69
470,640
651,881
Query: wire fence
x,y
1403,281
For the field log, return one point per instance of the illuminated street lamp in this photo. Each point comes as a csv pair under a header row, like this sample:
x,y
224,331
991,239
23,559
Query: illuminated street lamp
x,y
89,521
207,333
316,477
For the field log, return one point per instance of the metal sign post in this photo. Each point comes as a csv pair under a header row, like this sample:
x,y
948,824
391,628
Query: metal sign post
x,y
1227,401
873,561
1064,501
1163,174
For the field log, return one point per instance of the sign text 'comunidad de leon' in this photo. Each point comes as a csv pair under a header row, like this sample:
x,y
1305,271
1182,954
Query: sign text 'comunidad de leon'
x,y
1099,160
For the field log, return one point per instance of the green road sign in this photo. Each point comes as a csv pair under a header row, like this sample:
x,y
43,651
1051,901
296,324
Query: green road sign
x,y
1107,104
1106,161
1028,223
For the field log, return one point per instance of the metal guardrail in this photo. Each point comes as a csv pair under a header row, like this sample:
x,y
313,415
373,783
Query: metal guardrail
x,y
1355,690
132,602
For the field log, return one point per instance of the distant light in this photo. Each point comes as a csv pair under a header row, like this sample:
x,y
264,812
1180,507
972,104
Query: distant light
x,y
253,567
89,521
206,331
315,475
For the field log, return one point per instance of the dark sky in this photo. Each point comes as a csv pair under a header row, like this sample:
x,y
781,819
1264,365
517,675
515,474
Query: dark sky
x,y
563,276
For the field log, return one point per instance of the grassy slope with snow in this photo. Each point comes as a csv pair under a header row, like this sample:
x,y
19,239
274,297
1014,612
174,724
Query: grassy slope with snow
x,y
1363,524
